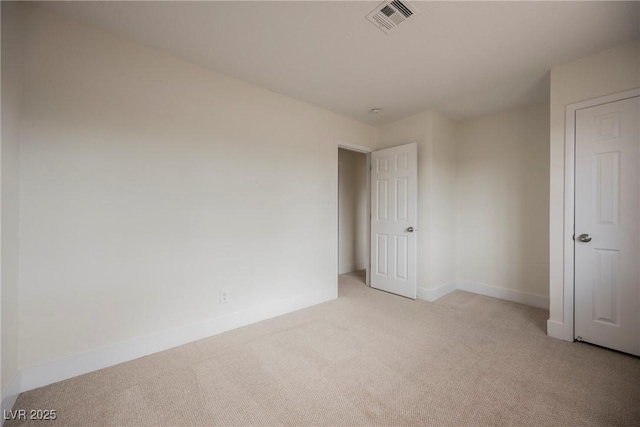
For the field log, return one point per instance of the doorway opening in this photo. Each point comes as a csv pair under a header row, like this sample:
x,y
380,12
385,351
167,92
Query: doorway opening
x,y
353,217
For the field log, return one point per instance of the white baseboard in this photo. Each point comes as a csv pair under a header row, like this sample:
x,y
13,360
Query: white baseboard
x,y
437,293
361,265
482,289
559,330
72,366
10,396
505,294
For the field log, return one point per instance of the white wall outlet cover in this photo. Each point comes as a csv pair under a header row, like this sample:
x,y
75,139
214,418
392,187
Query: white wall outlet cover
x,y
224,297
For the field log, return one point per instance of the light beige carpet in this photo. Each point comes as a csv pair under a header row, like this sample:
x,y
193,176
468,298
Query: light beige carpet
x,y
367,358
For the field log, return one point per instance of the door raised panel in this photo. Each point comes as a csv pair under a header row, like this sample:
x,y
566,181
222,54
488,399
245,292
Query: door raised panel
x,y
382,165
382,210
402,266
606,290
607,188
402,162
382,249
607,126
402,201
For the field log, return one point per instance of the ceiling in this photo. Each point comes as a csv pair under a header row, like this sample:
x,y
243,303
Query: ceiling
x,y
465,59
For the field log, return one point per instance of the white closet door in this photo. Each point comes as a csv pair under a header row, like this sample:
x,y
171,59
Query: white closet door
x,y
607,225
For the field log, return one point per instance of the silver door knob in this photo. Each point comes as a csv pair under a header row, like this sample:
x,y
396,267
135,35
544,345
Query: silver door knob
x,y
410,229
584,238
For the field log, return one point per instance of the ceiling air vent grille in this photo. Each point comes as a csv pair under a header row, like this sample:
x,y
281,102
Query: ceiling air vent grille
x,y
390,14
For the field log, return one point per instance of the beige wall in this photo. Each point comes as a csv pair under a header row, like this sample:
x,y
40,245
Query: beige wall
x,y
608,72
434,134
502,200
150,184
10,182
352,226
443,201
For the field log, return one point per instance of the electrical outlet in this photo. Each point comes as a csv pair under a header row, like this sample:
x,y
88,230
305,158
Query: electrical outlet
x,y
224,297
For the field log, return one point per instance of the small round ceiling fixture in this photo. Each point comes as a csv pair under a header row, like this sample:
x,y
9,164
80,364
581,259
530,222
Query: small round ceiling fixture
x,y
375,111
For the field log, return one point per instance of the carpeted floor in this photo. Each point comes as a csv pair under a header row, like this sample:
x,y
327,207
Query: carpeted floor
x,y
367,358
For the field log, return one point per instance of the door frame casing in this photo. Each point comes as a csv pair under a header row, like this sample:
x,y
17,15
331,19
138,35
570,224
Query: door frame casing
x,y
566,330
367,151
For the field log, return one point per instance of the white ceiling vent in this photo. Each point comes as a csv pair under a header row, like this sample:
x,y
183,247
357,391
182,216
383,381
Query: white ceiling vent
x,y
391,13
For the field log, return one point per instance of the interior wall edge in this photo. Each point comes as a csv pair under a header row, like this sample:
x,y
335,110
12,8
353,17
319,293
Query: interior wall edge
x,y
512,295
10,396
431,295
532,300
12,84
361,265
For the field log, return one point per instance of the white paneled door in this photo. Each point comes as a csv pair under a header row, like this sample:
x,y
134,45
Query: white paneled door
x,y
607,225
394,181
